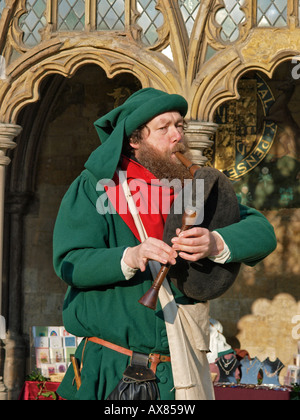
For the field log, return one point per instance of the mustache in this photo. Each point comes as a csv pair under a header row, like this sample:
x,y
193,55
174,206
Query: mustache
x,y
161,165
179,147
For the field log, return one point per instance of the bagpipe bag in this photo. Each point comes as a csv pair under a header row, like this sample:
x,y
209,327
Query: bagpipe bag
x,y
204,279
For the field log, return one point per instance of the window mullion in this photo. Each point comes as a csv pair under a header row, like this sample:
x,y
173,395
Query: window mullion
x,y
90,15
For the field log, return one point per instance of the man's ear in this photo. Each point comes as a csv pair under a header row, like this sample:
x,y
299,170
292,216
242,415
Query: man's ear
x,y
134,145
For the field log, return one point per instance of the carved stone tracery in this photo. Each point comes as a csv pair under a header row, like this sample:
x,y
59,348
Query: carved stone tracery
x,y
205,83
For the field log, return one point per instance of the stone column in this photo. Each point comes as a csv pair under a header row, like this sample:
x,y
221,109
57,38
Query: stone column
x,y
199,136
16,205
7,133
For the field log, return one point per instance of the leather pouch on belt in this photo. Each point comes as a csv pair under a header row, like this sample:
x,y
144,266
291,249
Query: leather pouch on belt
x,y
138,369
138,382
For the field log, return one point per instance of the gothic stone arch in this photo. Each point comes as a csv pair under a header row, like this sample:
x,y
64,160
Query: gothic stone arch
x,y
217,80
25,76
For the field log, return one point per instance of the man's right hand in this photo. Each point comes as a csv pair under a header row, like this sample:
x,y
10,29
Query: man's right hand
x,y
150,249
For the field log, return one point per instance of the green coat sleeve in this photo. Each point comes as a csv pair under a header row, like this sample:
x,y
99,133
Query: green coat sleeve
x,y
82,256
252,239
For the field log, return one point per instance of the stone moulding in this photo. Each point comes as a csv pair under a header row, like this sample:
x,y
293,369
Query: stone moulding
x,y
215,82
25,74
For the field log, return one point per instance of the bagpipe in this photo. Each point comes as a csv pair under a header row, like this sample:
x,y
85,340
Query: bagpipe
x,y
218,207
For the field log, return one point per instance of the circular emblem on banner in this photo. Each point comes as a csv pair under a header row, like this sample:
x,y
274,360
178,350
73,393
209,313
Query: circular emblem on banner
x,y
245,137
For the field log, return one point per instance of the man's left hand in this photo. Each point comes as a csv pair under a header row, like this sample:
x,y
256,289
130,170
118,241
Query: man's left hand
x,y
197,243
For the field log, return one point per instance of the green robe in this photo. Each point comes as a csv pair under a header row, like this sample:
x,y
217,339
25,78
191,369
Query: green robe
x,y
88,249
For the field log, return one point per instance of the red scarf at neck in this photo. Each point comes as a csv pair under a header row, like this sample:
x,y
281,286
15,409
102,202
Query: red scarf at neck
x,y
152,199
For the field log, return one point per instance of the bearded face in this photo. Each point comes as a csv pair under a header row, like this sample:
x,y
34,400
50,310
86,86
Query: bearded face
x,y
162,163
158,142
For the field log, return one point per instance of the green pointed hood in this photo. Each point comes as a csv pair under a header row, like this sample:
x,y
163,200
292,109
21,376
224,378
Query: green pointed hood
x,y
119,124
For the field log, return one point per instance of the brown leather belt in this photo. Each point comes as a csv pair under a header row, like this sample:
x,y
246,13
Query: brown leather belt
x,y
154,358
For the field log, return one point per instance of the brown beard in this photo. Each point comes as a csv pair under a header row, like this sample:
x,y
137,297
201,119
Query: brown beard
x,y
161,165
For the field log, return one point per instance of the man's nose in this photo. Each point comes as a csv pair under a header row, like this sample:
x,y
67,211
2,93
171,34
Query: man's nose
x,y
176,134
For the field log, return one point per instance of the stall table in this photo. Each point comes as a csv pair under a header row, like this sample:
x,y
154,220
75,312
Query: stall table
x,y
235,392
33,390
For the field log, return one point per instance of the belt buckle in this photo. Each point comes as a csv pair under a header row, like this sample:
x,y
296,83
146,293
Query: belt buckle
x,y
154,357
158,357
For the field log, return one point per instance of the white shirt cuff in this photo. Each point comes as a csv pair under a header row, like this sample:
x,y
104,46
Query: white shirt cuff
x,y
128,272
224,255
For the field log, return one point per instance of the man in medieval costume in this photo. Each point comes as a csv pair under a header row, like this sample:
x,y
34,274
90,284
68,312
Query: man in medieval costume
x,y
106,262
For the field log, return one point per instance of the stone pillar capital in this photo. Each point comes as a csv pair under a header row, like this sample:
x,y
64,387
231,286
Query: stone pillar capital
x,y
199,136
7,134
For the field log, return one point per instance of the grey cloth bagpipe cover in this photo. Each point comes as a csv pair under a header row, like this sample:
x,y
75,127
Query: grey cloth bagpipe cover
x,y
204,279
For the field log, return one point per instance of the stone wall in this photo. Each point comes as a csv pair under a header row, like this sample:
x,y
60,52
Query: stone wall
x,y
259,313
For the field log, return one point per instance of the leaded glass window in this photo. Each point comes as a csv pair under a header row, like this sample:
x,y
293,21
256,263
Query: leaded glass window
x,y
150,19
230,18
189,10
71,15
2,5
110,15
271,13
2,68
32,22
114,15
